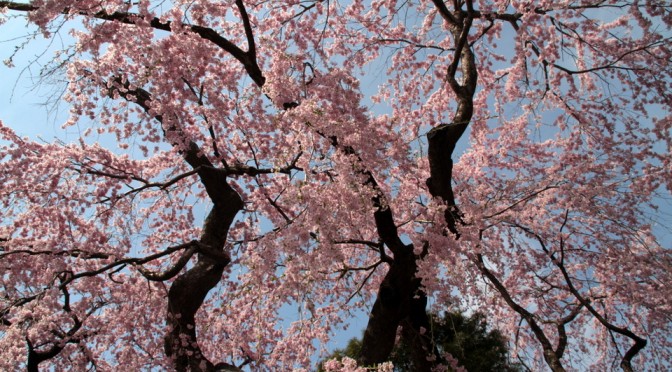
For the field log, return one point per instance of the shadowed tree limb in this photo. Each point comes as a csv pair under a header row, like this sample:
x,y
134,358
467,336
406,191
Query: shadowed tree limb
x,y
638,342
550,354
247,58
188,291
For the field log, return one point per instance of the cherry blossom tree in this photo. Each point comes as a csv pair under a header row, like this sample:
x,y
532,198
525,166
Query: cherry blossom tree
x,y
235,161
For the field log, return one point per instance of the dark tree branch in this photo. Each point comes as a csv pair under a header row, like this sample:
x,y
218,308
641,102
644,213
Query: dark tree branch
x,y
211,129
174,270
562,333
522,200
248,59
71,253
387,229
135,261
35,356
443,138
445,13
639,343
251,48
188,291
550,355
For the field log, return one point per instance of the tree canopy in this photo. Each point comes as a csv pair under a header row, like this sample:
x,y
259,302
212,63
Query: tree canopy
x,y
235,159
467,339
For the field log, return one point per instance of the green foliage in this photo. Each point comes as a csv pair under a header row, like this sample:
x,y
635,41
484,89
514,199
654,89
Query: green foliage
x,y
351,350
466,338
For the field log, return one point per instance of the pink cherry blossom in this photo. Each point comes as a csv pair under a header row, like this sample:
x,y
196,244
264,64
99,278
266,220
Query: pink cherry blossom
x,y
251,174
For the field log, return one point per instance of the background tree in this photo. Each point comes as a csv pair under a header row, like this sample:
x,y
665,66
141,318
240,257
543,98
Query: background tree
x,y
466,338
317,191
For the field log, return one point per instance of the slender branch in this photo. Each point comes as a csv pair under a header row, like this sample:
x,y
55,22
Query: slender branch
x,y
251,49
71,253
135,261
346,268
522,200
411,43
35,356
248,59
147,185
376,246
639,343
366,279
550,354
87,169
130,261
242,169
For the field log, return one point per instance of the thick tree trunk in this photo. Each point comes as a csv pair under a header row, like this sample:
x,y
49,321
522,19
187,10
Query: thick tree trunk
x,y
187,293
400,302
416,332
391,307
401,299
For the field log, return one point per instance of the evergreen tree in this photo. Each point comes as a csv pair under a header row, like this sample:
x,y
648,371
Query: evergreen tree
x,y
466,338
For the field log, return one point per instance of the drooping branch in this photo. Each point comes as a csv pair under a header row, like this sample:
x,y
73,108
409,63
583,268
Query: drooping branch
x,y
383,216
122,262
247,58
613,64
36,353
188,291
639,343
78,253
550,354
146,184
188,250
236,170
199,96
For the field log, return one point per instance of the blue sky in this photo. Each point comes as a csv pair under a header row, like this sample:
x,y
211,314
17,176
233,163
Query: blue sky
x,y
31,108
23,101
27,106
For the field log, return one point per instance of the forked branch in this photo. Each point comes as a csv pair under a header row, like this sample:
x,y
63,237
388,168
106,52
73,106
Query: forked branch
x,y
247,58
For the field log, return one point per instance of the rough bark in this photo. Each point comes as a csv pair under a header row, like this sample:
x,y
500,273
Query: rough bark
x,y
416,332
190,289
401,300
392,305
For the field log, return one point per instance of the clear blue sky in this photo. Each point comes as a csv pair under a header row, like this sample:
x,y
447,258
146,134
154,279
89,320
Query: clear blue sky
x,y
28,106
